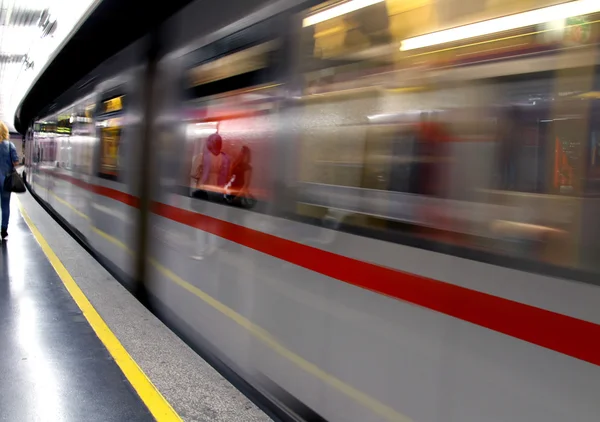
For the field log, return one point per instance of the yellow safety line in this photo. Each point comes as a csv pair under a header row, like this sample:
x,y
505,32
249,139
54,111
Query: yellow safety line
x,y
152,398
266,337
62,201
112,240
364,399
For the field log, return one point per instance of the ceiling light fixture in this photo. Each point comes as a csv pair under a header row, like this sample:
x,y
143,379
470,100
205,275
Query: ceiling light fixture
x,y
505,23
339,10
47,23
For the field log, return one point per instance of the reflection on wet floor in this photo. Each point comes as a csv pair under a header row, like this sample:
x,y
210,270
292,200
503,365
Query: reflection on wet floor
x,y
53,366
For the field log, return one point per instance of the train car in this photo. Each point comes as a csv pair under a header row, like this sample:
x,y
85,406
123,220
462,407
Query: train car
x,y
360,228
84,158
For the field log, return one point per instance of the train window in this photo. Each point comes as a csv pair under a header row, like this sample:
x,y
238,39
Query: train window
x,y
110,123
250,67
63,140
230,122
83,137
46,140
88,111
65,124
110,136
112,105
328,36
415,147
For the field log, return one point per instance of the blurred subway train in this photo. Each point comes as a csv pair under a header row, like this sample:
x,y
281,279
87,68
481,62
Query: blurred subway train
x,y
365,210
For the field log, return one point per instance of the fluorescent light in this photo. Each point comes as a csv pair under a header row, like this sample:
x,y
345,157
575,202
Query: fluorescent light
x,y
339,10
505,23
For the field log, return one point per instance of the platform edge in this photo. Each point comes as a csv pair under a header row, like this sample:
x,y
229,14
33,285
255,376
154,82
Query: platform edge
x,y
158,406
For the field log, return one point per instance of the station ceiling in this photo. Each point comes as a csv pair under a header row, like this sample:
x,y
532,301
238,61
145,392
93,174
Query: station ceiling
x,y
31,31
102,30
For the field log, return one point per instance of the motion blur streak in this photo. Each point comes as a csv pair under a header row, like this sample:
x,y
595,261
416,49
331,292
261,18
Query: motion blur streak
x,y
377,407
506,23
385,209
335,11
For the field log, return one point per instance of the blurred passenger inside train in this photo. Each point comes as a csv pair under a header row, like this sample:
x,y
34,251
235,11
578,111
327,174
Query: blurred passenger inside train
x,y
211,169
508,139
432,155
237,189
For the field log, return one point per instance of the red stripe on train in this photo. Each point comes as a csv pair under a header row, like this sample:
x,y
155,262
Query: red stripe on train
x,y
561,333
117,195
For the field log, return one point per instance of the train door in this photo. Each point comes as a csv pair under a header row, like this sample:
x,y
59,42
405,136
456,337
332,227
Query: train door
x,y
83,136
222,154
115,213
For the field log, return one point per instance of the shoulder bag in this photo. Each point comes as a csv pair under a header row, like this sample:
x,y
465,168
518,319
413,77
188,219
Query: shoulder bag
x,y
13,181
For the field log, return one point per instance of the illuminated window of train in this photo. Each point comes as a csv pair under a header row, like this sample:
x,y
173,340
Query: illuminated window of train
x,y
231,113
112,105
250,67
110,122
110,136
89,110
415,142
63,140
47,142
84,133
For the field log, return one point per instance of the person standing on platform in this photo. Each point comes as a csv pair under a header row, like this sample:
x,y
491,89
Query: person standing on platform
x,y
8,160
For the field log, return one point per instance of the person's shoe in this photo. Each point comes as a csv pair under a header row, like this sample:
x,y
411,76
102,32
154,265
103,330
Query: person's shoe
x,y
4,233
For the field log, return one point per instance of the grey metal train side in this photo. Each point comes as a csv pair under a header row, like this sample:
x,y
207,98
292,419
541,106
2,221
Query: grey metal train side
x,y
77,156
347,353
